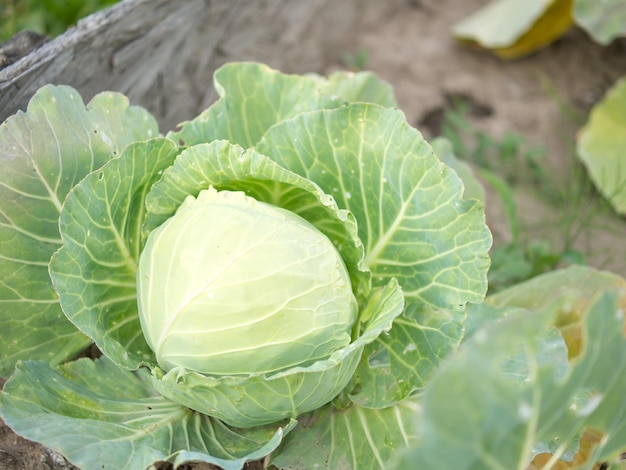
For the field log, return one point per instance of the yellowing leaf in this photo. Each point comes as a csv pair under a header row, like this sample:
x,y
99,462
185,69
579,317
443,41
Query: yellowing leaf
x,y
575,286
601,146
515,28
588,441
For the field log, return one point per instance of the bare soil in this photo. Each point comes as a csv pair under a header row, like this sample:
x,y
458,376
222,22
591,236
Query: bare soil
x,y
541,97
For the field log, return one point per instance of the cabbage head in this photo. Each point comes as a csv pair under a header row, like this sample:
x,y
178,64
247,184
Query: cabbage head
x,y
233,286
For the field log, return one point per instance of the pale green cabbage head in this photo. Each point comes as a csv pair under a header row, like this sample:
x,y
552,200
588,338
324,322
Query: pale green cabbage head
x,y
230,285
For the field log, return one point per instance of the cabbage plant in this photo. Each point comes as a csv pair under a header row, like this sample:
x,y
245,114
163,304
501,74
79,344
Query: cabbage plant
x,y
280,277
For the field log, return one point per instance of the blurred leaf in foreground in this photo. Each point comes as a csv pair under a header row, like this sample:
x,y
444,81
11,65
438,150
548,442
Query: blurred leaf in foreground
x,y
523,402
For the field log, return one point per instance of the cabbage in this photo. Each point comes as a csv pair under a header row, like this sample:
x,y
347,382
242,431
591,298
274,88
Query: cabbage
x,y
230,285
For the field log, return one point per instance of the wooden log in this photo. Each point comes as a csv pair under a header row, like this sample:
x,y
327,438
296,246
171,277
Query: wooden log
x,y
162,53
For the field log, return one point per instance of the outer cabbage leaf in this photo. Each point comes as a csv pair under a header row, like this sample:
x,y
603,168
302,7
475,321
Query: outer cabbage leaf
x,y
265,398
601,146
603,20
254,97
351,438
514,28
44,153
413,222
95,271
109,416
504,419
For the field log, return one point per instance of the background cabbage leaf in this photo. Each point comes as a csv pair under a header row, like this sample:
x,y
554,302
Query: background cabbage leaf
x,y
580,285
514,28
601,146
603,20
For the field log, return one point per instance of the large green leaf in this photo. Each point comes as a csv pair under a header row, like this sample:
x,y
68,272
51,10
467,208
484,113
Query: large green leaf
x,y
43,154
601,146
100,416
603,20
351,438
95,271
254,97
413,222
491,419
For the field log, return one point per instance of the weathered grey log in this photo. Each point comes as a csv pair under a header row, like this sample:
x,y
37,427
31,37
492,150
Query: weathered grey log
x,y
162,53
19,45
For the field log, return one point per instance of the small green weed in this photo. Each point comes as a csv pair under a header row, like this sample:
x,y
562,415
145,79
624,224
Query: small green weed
x,y
506,164
511,156
356,61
